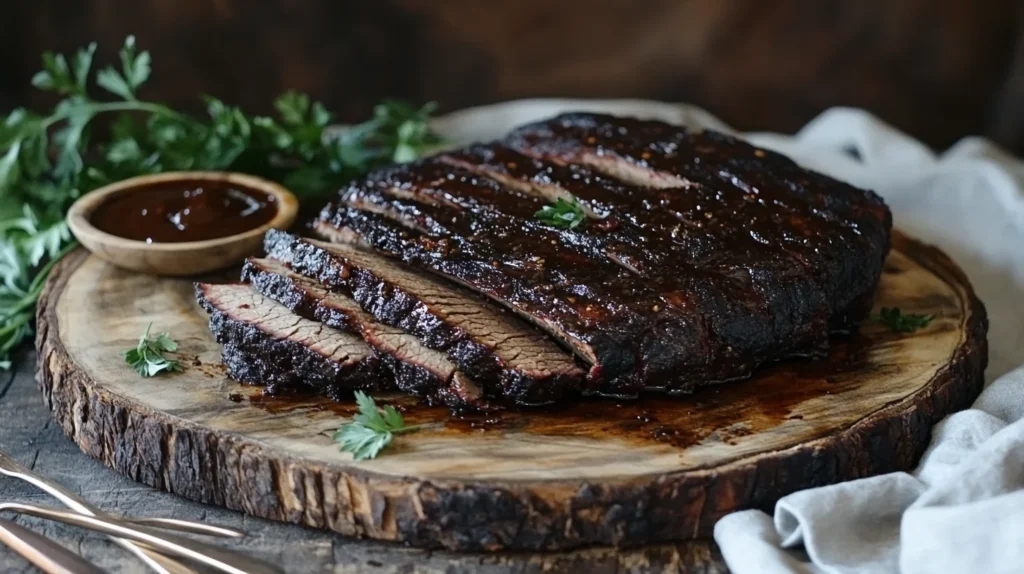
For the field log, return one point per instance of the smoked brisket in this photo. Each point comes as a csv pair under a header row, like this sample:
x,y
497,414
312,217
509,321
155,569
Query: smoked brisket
x,y
265,344
416,369
701,256
508,358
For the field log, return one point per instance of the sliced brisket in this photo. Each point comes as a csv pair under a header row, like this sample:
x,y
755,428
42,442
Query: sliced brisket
x,y
510,359
702,257
265,344
416,369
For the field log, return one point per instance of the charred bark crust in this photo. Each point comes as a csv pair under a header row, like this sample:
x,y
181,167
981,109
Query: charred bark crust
x,y
231,471
710,256
392,304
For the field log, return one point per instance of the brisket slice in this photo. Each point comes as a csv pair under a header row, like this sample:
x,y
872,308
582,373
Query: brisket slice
x,y
614,320
481,234
509,358
265,344
417,369
703,257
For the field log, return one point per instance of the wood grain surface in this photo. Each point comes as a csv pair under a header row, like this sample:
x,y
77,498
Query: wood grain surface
x,y
29,435
538,485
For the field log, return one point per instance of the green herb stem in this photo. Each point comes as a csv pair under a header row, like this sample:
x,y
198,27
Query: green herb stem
x,y
901,322
147,358
562,213
106,107
372,430
44,271
48,160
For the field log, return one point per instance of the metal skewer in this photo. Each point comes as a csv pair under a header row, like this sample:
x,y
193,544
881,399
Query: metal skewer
x,y
155,561
44,553
213,556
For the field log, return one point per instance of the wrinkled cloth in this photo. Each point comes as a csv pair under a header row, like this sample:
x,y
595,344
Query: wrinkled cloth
x,y
962,509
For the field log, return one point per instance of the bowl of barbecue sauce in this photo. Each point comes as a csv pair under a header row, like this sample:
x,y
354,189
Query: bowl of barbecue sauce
x,y
181,223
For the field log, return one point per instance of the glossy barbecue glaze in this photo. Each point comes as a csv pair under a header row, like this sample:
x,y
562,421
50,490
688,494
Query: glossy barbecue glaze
x,y
702,256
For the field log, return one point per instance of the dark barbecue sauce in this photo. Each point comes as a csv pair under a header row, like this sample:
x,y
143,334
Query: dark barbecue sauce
x,y
774,395
180,211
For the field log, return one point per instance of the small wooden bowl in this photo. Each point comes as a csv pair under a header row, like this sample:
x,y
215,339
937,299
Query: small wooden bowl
x,y
177,259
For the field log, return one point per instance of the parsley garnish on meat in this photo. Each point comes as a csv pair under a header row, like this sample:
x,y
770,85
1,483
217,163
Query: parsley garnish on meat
x,y
47,160
370,430
147,358
896,320
564,214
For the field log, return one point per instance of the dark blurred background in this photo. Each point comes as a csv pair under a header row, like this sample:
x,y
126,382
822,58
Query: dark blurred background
x,y
939,69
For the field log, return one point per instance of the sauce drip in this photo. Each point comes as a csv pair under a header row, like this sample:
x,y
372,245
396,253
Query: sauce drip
x,y
178,211
723,413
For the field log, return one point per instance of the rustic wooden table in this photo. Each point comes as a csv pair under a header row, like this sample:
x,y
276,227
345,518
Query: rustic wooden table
x,y
27,434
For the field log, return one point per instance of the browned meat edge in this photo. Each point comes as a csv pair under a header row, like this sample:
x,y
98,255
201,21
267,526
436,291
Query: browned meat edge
x,y
764,260
486,343
265,344
417,369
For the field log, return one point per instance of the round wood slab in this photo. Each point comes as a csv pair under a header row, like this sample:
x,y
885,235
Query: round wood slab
x,y
601,472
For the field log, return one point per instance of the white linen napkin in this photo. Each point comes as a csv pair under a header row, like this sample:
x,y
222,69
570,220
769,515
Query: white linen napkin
x,y
962,510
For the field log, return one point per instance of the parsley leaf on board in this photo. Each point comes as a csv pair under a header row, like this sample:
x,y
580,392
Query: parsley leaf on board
x,y
564,214
896,320
371,430
147,358
48,160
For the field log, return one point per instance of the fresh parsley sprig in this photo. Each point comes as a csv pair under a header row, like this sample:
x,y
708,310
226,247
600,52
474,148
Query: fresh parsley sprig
x,y
371,430
564,214
47,160
896,320
147,358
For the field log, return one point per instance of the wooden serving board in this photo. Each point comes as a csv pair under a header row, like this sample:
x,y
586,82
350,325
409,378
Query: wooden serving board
x,y
601,472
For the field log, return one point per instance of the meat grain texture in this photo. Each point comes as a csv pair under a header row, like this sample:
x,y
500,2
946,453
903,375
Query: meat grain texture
x,y
416,369
701,257
265,344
